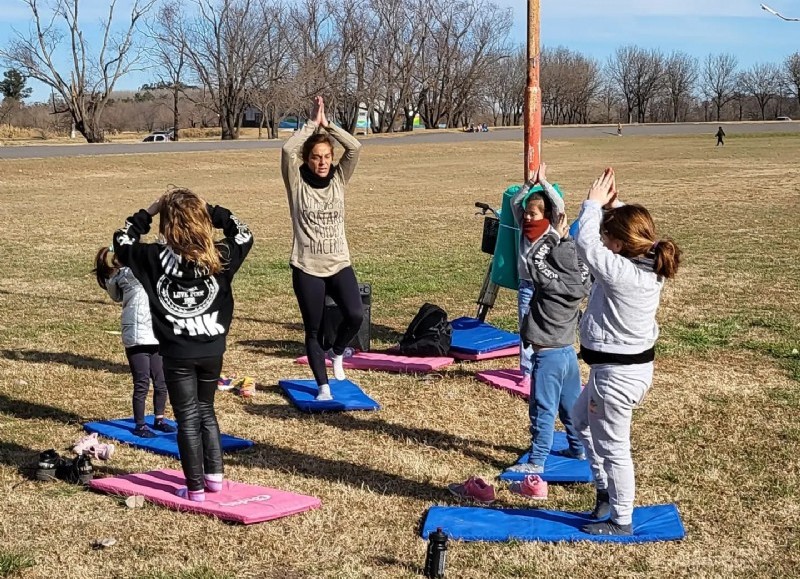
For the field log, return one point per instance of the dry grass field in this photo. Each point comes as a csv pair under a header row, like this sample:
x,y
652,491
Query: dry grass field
x,y
718,433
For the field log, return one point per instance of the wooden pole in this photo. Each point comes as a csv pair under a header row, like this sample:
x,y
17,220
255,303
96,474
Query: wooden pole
x,y
533,96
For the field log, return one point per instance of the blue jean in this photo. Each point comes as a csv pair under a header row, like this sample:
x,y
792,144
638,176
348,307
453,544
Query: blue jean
x,y
556,386
524,298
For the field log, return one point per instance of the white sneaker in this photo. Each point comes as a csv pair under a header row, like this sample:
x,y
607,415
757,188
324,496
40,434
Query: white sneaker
x,y
338,367
324,393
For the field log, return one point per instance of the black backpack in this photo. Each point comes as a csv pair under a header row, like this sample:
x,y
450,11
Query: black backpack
x,y
428,334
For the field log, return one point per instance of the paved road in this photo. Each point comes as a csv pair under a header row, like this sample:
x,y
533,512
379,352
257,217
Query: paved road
x,y
419,137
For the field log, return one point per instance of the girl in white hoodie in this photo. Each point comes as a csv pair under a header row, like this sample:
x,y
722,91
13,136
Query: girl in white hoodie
x,y
618,332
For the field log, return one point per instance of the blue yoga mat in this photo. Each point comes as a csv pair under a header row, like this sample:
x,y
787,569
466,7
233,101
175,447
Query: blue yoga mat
x,y
650,524
346,396
162,443
472,336
556,468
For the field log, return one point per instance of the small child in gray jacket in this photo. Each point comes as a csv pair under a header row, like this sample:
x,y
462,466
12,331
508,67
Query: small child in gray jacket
x,y
560,283
141,346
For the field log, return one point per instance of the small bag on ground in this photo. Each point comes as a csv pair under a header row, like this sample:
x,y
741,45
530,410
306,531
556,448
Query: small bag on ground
x,y
428,334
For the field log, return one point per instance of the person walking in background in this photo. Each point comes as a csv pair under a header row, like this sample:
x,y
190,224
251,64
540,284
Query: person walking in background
x,y
320,258
720,137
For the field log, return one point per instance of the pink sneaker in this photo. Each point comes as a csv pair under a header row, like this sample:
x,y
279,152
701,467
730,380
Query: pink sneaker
x,y
475,489
525,382
94,448
532,486
85,443
102,451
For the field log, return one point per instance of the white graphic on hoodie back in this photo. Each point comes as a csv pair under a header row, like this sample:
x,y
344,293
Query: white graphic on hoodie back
x,y
187,300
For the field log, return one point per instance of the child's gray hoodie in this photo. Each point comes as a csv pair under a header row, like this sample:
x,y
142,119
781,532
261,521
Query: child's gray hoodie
x,y
518,210
620,317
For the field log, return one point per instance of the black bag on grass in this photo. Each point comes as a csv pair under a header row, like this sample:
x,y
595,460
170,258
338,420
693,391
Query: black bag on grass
x,y
428,334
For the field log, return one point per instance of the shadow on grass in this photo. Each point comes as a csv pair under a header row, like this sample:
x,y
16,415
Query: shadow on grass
x,y
263,455
77,361
20,457
58,298
400,565
422,436
280,348
31,410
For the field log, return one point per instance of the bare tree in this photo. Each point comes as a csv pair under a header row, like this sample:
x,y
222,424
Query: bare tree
x,y
681,72
393,62
270,83
569,81
793,73
719,78
86,84
761,82
639,75
224,42
169,55
466,39
506,88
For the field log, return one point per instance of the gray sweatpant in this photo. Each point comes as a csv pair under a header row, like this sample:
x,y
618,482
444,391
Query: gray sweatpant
x,y
602,416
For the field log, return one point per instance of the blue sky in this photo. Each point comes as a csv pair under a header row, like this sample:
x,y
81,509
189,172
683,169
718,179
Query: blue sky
x,y
594,27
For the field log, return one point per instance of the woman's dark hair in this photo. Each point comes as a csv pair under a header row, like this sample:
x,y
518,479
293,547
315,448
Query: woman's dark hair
x,y
313,141
104,266
633,226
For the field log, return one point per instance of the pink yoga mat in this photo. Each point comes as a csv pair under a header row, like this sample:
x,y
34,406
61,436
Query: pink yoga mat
x,y
503,353
389,362
504,380
237,502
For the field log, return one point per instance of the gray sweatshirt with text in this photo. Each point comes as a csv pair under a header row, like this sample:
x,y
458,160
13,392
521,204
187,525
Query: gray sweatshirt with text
x,y
560,283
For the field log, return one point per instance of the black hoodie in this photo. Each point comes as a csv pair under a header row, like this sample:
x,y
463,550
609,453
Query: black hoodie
x,y
191,310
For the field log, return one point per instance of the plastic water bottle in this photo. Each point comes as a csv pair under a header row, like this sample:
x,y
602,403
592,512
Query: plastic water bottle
x,y
436,557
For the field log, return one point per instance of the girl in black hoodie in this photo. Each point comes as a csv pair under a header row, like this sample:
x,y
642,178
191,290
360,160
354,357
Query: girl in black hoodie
x,y
187,277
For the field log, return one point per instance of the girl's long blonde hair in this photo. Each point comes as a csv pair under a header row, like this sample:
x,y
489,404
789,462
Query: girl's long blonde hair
x,y
186,227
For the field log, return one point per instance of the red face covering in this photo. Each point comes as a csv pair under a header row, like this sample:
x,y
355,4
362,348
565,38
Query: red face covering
x,y
533,230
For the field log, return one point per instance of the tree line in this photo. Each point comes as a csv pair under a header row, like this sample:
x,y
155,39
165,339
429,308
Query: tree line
x,y
451,63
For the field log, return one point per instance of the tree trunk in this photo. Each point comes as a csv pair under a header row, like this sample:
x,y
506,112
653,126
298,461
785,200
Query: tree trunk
x,y
176,116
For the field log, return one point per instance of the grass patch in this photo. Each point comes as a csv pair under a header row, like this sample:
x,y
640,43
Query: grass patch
x,y
12,563
201,572
729,327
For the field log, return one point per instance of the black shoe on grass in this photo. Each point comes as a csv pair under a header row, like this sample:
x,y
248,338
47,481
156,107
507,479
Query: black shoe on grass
x,y
48,463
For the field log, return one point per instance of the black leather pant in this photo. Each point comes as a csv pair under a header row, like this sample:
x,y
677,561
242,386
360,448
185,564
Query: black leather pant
x,y
192,385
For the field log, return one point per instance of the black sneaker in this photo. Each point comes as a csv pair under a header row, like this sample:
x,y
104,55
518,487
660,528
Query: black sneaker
x,y
48,463
163,426
144,431
82,471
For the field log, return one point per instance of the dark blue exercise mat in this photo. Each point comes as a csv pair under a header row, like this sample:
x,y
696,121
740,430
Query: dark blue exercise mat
x,y
472,336
346,396
556,468
162,443
650,524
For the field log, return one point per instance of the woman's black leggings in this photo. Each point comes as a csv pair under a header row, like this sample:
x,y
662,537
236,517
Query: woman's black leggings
x,y
192,385
311,291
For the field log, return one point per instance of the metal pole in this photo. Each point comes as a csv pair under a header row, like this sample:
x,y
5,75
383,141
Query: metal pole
x,y
533,96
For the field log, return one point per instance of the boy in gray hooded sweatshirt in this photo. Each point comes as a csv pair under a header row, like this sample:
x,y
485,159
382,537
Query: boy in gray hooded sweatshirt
x,y
560,283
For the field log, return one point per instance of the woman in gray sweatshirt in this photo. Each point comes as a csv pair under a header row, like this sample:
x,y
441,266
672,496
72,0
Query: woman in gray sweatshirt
x,y
618,332
320,259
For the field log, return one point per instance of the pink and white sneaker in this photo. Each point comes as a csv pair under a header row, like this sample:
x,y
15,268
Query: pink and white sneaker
x,y
532,487
90,445
474,489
